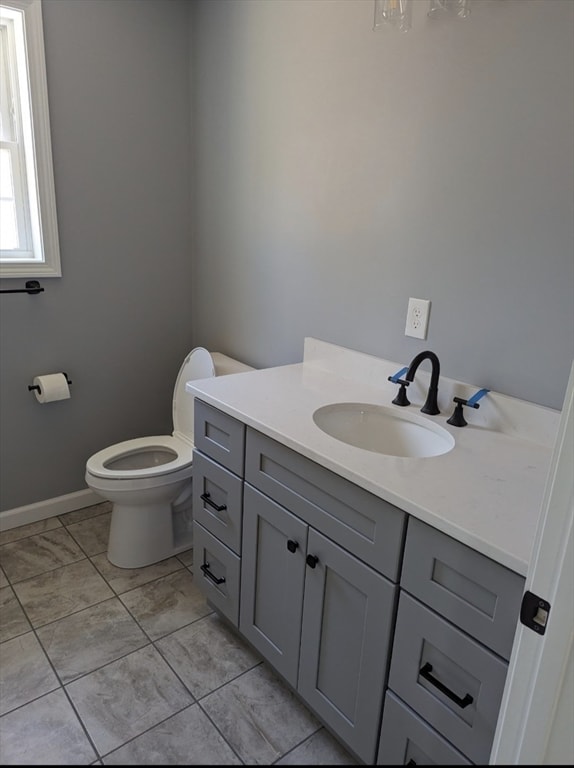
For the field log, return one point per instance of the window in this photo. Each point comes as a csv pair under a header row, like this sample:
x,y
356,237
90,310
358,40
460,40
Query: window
x,y
28,225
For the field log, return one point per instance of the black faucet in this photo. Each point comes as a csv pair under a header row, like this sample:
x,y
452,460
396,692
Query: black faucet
x,y
430,405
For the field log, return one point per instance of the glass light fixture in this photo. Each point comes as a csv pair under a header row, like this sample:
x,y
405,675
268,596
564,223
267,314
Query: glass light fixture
x,y
393,14
460,8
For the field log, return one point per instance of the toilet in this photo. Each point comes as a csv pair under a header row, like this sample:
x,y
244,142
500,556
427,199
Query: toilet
x,y
148,479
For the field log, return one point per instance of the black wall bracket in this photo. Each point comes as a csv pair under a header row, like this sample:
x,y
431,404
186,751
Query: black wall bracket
x,y
32,287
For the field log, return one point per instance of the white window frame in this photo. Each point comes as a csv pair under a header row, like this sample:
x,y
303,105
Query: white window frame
x,y
42,255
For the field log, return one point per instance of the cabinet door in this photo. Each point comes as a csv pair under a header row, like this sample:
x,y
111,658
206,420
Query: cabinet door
x,y
348,615
273,569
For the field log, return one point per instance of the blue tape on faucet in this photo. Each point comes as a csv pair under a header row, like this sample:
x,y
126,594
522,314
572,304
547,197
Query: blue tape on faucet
x,y
476,397
398,374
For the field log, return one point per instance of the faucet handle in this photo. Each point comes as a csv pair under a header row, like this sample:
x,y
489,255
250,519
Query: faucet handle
x,y
401,397
473,401
396,376
457,419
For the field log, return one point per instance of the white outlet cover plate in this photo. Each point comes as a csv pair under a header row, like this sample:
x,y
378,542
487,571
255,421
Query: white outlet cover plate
x,y
417,318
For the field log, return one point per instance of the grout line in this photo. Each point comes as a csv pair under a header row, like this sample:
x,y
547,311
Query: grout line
x,y
82,724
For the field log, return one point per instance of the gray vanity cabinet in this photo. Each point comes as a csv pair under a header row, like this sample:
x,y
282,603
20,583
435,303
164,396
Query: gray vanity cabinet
x,y
343,593
320,616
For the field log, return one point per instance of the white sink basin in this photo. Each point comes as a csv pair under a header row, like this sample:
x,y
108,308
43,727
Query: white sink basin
x,y
383,430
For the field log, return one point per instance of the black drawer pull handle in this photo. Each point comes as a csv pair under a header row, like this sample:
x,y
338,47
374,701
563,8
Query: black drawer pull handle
x,y
292,546
207,498
312,561
207,572
462,703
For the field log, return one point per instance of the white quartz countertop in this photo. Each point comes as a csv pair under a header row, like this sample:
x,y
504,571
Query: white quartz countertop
x,y
486,492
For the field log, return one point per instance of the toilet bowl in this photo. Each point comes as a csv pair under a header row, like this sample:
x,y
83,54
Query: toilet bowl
x,y
148,479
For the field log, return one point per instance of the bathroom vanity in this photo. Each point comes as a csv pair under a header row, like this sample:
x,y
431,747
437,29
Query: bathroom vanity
x,y
384,590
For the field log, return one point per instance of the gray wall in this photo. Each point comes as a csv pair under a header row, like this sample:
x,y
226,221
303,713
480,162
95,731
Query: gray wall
x,y
119,320
334,172
339,171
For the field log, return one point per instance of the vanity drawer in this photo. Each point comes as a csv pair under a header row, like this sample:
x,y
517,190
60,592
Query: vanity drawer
x,y
406,739
367,526
219,436
217,500
448,678
216,572
477,594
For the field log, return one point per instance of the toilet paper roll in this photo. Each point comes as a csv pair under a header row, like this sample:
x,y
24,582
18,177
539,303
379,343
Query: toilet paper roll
x,y
53,386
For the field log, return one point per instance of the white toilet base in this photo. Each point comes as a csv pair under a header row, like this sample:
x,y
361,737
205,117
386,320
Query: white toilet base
x,y
143,535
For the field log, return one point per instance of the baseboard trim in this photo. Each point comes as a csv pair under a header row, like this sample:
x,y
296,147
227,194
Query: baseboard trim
x,y
31,513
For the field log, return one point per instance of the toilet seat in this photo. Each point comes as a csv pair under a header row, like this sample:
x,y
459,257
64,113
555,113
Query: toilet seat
x,y
101,463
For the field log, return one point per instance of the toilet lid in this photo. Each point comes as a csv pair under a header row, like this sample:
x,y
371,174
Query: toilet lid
x,y
197,365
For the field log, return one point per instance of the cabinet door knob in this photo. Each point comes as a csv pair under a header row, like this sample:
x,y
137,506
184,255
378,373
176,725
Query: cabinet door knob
x,y
312,561
292,545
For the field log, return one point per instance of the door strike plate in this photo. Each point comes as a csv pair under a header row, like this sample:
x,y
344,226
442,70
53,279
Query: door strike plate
x,y
534,612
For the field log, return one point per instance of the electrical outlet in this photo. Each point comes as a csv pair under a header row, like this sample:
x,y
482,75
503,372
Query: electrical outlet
x,y
417,318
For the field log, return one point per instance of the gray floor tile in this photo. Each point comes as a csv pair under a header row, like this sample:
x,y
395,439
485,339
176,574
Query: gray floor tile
x,y
126,698
167,604
320,749
38,554
56,594
92,534
259,716
188,738
44,732
31,529
123,579
77,515
207,654
128,693
84,641
13,621
186,557
25,673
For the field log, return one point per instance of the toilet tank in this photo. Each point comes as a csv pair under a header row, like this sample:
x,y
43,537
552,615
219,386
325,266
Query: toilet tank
x,y
198,364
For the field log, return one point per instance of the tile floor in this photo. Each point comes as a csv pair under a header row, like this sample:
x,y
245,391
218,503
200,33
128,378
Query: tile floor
x,y
105,666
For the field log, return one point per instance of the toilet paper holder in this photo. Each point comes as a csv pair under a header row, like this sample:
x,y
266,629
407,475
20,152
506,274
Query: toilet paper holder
x,y
32,387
